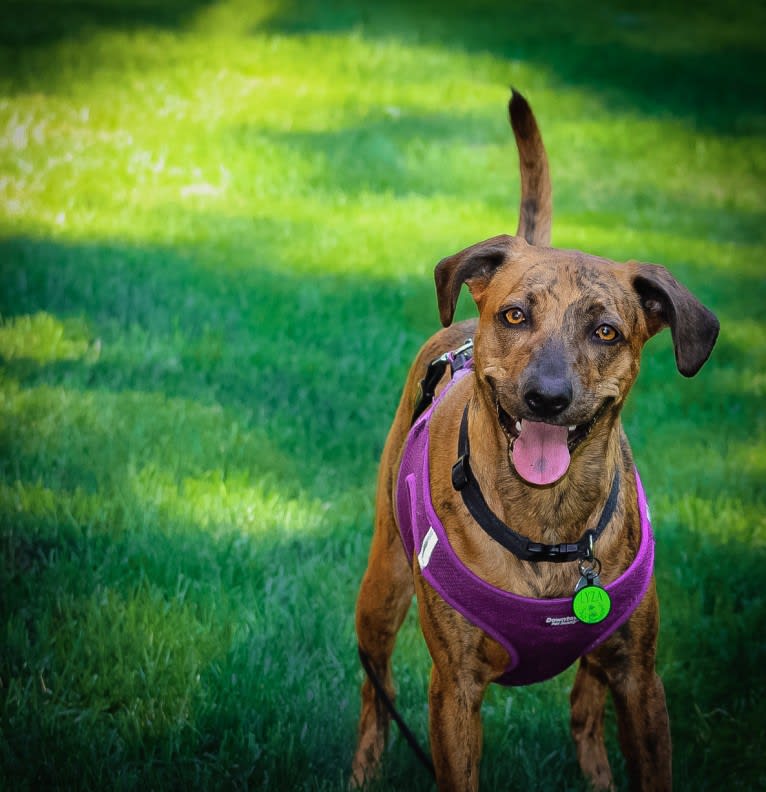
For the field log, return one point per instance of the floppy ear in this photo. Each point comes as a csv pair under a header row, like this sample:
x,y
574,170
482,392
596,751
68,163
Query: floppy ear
x,y
667,303
475,265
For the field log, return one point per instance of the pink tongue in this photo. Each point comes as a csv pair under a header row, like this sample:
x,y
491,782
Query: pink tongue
x,y
540,453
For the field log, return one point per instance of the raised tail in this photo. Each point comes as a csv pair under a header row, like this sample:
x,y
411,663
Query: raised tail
x,y
536,204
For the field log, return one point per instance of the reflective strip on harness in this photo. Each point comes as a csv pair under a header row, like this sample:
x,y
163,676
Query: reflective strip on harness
x,y
429,543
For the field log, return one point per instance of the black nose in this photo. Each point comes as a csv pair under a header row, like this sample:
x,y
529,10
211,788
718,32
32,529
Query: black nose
x,y
547,398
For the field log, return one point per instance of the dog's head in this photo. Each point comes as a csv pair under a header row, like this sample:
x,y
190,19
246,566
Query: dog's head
x,y
559,340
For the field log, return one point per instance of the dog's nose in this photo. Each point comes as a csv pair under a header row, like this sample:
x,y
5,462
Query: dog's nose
x,y
547,398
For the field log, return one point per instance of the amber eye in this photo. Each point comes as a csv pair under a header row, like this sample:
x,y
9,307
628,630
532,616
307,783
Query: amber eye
x,y
514,316
606,333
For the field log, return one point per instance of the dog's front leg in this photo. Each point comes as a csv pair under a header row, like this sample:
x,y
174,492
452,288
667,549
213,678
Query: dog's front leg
x,y
455,729
644,730
587,721
628,662
465,661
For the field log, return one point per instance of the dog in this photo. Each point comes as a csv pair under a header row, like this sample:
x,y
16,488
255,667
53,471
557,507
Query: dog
x,y
531,496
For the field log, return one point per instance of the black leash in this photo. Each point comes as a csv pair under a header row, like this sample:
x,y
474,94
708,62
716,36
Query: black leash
x,y
465,483
393,712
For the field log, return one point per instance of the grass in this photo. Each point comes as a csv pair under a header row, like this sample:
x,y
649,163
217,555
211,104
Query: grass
x,y
219,221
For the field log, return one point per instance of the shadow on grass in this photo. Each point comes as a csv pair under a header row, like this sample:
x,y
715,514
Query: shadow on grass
x,y
298,375
309,362
169,655
391,154
43,22
411,155
164,656
672,60
639,57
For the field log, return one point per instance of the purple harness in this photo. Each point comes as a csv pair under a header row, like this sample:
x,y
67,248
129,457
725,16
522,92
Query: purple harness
x,y
542,636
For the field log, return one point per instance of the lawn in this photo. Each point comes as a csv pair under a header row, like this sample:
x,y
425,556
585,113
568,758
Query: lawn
x,y
218,225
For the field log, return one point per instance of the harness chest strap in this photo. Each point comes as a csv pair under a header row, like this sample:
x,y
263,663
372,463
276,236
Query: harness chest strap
x,y
542,636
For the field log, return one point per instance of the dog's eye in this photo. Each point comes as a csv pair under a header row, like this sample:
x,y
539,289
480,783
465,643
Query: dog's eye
x,y
606,333
514,316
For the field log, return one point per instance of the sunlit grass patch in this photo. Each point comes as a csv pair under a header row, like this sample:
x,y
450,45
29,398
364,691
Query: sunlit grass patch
x,y
43,338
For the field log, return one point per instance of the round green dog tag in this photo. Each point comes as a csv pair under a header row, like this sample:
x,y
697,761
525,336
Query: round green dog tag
x,y
591,604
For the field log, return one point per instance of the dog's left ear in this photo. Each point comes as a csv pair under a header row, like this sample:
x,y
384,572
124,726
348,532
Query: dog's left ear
x,y
667,303
476,265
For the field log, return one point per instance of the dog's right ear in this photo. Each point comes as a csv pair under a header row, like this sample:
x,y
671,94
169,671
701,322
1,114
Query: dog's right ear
x,y
476,265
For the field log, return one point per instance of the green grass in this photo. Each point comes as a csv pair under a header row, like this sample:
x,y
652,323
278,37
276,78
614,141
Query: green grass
x,y
218,226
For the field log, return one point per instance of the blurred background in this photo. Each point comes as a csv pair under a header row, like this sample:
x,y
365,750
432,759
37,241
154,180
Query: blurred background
x,y
218,225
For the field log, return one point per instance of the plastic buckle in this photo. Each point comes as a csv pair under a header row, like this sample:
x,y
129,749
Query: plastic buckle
x,y
542,551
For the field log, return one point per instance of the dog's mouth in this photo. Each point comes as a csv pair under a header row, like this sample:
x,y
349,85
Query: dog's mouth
x,y
541,452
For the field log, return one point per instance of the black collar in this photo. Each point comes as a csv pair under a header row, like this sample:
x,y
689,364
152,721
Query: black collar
x,y
523,548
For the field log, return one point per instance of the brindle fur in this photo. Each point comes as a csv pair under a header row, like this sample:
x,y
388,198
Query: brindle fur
x,y
565,295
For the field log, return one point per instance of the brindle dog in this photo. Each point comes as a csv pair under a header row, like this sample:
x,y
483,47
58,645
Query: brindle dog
x,y
557,347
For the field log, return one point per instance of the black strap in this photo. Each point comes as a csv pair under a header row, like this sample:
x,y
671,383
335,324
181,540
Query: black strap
x,y
465,482
427,387
455,359
393,712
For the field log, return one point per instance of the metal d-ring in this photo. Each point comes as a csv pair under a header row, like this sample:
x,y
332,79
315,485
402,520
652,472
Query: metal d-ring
x,y
593,568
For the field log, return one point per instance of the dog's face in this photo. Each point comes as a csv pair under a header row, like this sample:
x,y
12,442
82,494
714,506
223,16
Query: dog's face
x,y
559,340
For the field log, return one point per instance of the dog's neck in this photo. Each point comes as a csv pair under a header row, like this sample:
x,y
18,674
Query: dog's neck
x,y
560,512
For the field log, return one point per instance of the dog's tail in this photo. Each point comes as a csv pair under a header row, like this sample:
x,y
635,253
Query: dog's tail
x,y
536,204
